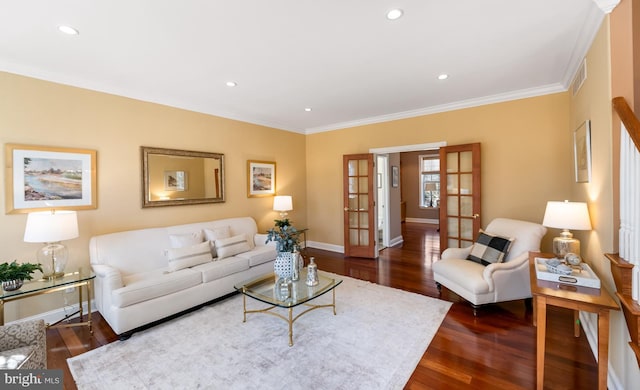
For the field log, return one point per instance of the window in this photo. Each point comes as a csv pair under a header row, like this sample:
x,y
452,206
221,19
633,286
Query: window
x,y
429,181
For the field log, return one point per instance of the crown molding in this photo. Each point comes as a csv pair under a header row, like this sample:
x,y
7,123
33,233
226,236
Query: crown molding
x,y
607,5
498,98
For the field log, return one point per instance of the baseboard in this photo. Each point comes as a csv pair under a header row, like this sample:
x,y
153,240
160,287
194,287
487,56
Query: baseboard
x,y
430,221
53,316
590,329
396,241
325,246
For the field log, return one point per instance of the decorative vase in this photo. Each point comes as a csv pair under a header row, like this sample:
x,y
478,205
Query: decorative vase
x,y
312,273
283,265
12,285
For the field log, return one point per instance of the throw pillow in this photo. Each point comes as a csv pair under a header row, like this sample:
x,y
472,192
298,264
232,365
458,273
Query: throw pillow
x,y
189,256
227,247
490,248
216,233
189,239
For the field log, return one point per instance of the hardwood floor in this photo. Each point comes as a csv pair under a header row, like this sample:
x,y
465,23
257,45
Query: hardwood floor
x,y
495,350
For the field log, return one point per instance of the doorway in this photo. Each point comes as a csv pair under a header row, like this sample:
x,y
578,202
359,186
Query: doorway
x,y
382,200
391,216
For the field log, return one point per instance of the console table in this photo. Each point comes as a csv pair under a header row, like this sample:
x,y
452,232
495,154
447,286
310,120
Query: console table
x,y
597,301
81,278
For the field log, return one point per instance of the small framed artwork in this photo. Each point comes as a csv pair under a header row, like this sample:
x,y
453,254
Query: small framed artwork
x,y
582,152
394,176
261,178
175,180
43,177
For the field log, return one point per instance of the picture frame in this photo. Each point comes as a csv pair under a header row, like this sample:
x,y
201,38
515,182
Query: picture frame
x,y
45,177
582,152
394,176
175,181
261,178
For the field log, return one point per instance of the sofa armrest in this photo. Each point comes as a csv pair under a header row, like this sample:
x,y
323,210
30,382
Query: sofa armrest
x,y
492,272
109,276
456,253
261,239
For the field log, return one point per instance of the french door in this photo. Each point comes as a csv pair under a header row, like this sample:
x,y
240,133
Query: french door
x,y
460,196
359,205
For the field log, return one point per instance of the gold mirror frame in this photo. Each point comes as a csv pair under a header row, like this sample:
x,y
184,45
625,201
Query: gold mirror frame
x,y
172,177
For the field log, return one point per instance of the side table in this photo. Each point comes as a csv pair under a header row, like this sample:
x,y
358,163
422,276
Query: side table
x,y
597,301
81,278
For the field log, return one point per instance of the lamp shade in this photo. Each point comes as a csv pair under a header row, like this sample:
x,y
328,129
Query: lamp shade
x,y
567,215
283,203
51,226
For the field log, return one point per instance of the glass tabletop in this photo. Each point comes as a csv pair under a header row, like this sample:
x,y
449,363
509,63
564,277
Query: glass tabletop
x,y
264,289
33,286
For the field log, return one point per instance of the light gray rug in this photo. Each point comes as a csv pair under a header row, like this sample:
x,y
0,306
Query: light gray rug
x,y
374,342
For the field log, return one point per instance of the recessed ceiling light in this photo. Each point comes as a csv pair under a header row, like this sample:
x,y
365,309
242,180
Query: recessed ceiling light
x,y
394,14
308,109
231,83
443,76
68,30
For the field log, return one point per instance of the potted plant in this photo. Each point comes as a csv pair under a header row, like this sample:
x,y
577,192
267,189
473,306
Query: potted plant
x,y
287,239
13,275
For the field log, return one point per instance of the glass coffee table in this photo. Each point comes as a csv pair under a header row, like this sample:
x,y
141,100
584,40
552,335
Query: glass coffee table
x,y
264,289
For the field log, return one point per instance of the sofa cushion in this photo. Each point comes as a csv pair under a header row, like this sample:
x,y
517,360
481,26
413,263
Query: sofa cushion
x,y
142,287
462,274
221,268
180,258
189,239
259,255
490,248
227,247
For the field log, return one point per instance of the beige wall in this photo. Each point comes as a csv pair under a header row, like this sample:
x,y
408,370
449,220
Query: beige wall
x,y
526,157
43,113
606,76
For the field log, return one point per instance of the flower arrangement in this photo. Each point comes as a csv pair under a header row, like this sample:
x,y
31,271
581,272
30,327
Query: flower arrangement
x,y
15,271
285,235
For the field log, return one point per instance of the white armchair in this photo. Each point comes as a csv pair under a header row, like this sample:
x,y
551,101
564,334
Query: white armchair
x,y
497,282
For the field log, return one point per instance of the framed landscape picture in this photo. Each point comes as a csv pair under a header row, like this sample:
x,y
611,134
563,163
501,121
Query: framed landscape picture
x,y
582,152
261,178
42,177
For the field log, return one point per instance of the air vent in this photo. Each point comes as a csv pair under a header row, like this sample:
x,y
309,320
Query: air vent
x,y
581,76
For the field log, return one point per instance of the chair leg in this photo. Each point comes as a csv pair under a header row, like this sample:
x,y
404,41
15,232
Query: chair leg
x,y
528,303
475,309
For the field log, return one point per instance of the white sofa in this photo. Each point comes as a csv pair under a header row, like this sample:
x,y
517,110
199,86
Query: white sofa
x,y
147,275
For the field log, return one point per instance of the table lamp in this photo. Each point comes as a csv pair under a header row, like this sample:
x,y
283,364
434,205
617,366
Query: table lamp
x,y
566,215
51,227
283,203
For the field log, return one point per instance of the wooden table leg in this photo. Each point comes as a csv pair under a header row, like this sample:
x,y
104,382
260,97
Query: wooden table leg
x,y
603,348
576,323
541,305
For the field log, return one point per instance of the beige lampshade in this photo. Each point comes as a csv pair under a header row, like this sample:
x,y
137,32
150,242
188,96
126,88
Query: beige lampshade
x,y
51,226
567,215
283,203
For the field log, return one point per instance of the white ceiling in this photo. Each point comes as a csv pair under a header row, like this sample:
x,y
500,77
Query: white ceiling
x,y
343,58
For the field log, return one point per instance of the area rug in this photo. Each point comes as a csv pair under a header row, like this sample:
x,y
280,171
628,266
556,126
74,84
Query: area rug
x,y
374,342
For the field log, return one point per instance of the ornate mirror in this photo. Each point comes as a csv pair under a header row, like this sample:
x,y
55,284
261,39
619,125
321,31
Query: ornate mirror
x,y
173,177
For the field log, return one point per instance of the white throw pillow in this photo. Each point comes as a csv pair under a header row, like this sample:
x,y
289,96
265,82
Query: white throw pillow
x,y
227,247
216,233
189,239
190,256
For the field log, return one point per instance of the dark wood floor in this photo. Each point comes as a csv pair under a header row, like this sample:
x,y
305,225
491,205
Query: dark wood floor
x,y
494,350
